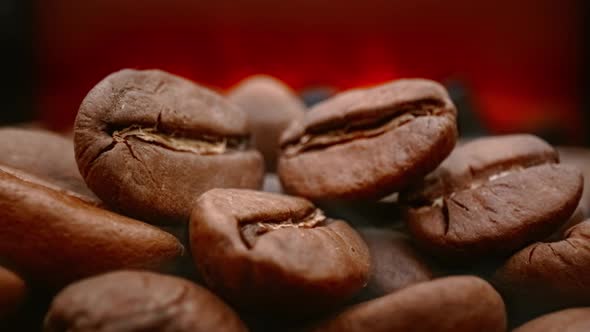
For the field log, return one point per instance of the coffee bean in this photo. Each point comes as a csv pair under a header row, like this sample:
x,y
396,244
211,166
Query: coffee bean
x,y
55,238
127,301
12,292
368,143
549,275
270,252
460,303
45,155
395,263
271,106
48,183
492,196
148,143
570,320
579,158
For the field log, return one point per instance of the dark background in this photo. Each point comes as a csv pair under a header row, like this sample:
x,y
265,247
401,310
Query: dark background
x,y
511,65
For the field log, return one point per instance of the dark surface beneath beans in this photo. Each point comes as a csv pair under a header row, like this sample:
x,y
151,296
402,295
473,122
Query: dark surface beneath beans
x,y
31,314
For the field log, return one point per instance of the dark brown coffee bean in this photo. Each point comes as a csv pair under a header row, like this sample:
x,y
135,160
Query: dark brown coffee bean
x,y
149,143
570,320
43,154
12,292
576,218
270,252
368,143
395,263
135,301
45,182
271,106
459,303
579,158
55,238
549,275
491,197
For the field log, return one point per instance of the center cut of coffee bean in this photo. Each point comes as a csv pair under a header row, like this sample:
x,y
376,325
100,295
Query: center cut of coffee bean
x,y
251,231
204,145
361,128
479,182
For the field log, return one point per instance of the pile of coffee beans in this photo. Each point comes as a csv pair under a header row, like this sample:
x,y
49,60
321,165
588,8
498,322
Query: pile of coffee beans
x,y
370,216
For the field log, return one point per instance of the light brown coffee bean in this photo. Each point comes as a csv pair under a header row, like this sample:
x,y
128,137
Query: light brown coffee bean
x,y
136,301
55,238
459,303
45,155
271,106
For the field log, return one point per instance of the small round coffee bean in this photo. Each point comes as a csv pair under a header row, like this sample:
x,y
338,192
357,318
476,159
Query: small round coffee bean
x,y
271,106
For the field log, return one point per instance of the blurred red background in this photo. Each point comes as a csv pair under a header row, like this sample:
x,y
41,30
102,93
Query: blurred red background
x,y
520,60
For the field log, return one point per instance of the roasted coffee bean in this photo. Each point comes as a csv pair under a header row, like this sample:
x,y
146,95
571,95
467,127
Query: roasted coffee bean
x,y
491,197
460,303
579,158
45,155
577,217
549,275
148,143
45,182
270,252
570,320
271,106
135,301
12,292
395,263
368,143
55,238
